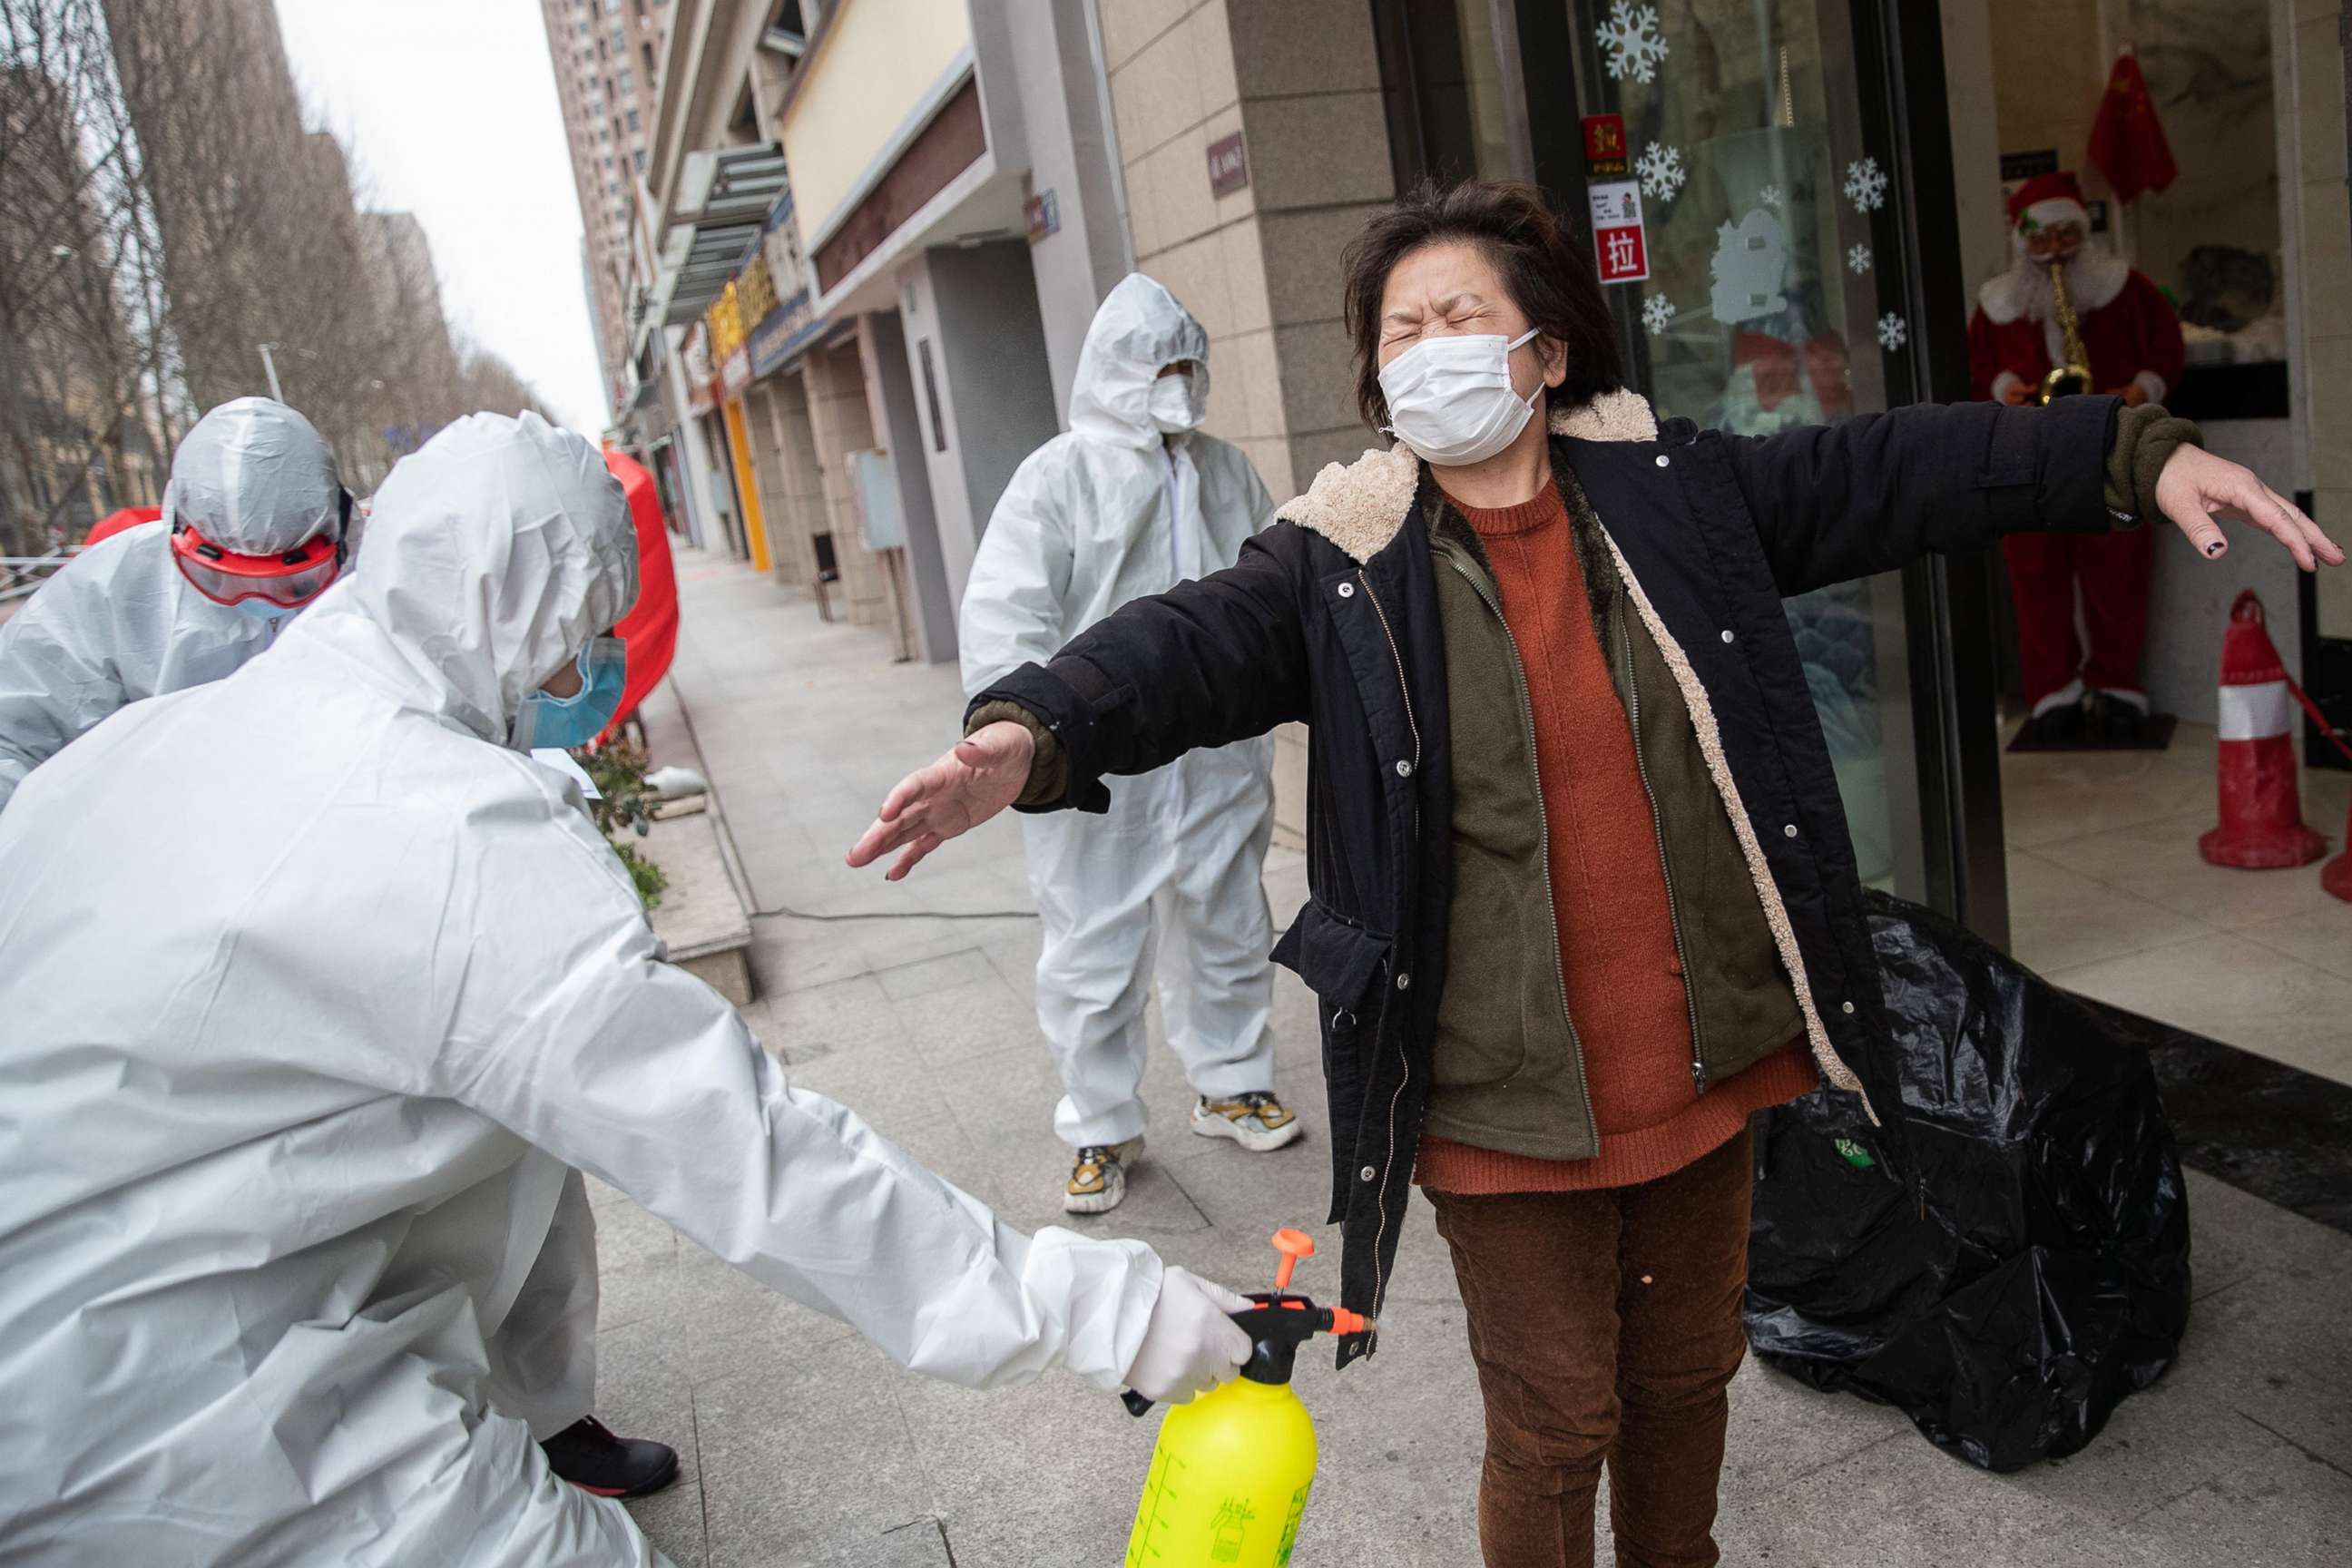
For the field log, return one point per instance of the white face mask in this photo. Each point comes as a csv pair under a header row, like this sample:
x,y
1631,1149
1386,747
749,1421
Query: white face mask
x,y
1178,402
1450,399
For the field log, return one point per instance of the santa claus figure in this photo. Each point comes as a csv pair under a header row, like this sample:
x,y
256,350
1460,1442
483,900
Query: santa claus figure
x,y
2131,343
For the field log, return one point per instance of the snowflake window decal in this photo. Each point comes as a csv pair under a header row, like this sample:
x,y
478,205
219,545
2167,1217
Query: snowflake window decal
x,y
1865,185
1769,197
1657,311
1857,260
1661,168
1631,42
1892,332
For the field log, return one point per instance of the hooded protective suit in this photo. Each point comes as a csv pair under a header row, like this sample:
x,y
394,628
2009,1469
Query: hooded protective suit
x,y
120,624
1108,513
314,991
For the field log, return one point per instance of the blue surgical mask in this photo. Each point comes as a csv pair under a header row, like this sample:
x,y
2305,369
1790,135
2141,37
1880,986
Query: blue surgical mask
x,y
262,610
566,721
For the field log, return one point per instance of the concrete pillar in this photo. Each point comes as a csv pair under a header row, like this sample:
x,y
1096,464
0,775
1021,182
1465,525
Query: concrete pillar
x,y
890,399
976,358
840,424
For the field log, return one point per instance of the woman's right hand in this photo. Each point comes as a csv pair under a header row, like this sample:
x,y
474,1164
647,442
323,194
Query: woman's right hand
x,y
983,773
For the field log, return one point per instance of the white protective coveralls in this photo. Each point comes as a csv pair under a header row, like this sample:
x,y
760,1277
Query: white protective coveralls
x,y
313,992
120,623
1108,513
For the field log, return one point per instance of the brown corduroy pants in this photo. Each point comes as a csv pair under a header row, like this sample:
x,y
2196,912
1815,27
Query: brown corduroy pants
x,y
1605,1325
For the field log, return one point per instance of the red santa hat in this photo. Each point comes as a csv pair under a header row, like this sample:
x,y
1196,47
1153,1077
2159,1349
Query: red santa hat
x,y
2048,199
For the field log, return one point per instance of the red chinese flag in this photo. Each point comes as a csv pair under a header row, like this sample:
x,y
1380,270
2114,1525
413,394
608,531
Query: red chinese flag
x,y
2127,142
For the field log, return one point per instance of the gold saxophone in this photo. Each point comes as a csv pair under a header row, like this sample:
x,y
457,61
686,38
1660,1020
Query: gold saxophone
x,y
2072,379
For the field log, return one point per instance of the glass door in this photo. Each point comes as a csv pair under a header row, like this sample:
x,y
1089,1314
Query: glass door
x,y
1774,299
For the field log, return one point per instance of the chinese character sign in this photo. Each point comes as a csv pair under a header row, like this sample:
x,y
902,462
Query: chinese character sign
x,y
1619,244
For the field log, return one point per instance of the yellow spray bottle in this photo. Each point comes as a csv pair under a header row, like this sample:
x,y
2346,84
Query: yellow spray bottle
x,y
1230,1474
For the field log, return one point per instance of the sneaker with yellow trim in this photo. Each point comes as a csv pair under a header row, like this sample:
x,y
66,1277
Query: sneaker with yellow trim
x,y
1098,1177
1256,1121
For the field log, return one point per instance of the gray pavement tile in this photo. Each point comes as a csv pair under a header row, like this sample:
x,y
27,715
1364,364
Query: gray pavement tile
x,y
1901,1503
973,1019
643,1391
2234,1235
2271,1504
1782,1432
1043,1475
962,966
1015,954
1401,1437
723,1320
888,1084
803,1456
835,1016
625,1233
788,956
629,1293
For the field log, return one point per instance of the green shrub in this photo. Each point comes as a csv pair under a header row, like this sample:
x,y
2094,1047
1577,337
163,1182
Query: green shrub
x,y
625,810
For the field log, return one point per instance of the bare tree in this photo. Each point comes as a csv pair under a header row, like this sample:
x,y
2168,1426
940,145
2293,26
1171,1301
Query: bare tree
x,y
165,212
82,362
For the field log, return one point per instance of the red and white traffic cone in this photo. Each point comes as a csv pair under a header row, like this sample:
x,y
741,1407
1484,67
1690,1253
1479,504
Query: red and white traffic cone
x,y
2262,807
2336,875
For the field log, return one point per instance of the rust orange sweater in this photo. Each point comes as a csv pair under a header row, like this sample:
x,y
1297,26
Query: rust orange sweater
x,y
1608,896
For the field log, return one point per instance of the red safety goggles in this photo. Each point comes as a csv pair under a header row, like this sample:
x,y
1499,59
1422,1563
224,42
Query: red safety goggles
x,y
291,580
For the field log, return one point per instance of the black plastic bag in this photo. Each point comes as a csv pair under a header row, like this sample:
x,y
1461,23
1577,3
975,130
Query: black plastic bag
x,y
2031,1268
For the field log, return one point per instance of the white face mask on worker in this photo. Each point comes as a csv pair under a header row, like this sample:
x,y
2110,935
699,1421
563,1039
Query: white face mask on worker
x,y
1450,399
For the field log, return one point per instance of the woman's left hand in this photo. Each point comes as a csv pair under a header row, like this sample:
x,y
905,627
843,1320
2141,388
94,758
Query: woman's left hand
x,y
2196,486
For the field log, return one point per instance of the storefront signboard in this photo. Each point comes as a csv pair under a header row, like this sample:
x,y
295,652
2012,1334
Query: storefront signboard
x,y
1040,215
1228,165
1605,147
1620,244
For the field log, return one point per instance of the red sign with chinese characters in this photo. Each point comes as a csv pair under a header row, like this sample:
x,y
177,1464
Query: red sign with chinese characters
x,y
1605,144
1620,247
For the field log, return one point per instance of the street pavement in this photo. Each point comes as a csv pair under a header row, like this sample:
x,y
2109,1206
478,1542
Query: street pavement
x,y
803,1446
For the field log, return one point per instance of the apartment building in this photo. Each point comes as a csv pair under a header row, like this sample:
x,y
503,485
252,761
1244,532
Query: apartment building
x,y
607,57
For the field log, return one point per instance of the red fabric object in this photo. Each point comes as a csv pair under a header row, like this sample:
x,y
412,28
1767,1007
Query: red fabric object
x,y
2136,331
1774,363
650,628
114,522
2262,806
2113,569
2127,142
1609,895
2058,186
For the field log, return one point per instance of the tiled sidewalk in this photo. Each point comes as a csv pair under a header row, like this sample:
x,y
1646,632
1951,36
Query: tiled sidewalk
x,y
803,1446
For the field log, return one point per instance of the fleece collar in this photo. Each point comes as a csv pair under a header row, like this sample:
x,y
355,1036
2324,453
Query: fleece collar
x,y
1360,507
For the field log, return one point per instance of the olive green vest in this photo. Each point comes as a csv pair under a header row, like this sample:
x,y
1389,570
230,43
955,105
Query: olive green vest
x,y
1507,1072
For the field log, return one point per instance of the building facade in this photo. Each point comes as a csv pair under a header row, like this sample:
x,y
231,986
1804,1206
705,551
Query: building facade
x,y
1801,198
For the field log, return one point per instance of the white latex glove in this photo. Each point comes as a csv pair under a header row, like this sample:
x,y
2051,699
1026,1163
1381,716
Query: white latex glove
x,y
1191,1345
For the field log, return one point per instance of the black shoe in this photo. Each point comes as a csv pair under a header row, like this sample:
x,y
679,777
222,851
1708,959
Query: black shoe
x,y
2115,721
2060,726
590,1457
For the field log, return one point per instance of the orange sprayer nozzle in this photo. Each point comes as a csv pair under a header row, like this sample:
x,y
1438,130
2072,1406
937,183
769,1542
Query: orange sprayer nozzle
x,y
1343,1322
1292,1245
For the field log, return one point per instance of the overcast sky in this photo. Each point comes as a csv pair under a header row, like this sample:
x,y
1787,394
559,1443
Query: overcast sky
x,y
449,110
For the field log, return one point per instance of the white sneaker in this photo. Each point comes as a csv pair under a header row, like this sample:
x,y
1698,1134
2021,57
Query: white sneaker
x,y
1256,1121
1098,1177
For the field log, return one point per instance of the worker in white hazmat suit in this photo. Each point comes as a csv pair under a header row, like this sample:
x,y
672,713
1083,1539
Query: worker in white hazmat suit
x,y
316,989
254,527
1132,501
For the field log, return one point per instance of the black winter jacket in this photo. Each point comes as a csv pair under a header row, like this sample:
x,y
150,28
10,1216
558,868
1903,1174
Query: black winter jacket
x,y
1331,618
